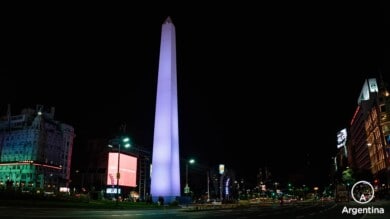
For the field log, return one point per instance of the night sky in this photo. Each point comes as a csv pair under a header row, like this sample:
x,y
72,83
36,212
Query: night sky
x,y
267,86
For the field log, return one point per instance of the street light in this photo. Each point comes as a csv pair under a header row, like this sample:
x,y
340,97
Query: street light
x,y
187,188
276,186
126,142
315,191
208,186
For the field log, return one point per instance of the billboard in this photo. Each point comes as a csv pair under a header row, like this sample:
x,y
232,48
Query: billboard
x,y
113,190
369,86
221,168
341,138
127,170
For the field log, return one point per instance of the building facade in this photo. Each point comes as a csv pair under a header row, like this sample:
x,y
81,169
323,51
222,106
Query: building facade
x,y
378,137
93,174
359,156
370,132
35,151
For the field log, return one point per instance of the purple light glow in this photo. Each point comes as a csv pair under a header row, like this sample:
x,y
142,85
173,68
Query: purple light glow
x,y
166,171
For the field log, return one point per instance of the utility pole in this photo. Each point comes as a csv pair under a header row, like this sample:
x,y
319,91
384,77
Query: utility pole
x,y
122,141
208,185
145,175
118,174
221,187
187,187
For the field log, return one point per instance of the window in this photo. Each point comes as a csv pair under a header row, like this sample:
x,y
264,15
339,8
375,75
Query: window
x,y
387,139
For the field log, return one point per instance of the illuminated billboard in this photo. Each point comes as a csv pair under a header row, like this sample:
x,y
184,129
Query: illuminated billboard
x,y
112,191
341,138
369,86
127,170
221,168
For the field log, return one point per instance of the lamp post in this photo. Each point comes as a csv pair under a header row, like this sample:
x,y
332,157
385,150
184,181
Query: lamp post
x,y
187,188
276,189
315,192
126,142
208,186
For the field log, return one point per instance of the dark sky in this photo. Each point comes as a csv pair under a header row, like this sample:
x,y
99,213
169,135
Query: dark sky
x,y
258,86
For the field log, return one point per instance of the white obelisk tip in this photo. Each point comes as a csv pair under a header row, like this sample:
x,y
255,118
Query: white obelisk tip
x,y
168,20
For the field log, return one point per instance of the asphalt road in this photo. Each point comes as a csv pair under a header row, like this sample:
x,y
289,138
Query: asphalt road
x,y
312,210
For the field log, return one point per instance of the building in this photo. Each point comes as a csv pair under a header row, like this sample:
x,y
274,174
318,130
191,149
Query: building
x,y
370,132
91,175
377,126
35,150
359,156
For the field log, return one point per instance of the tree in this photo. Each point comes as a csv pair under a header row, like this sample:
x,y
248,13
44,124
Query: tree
x,y
348,177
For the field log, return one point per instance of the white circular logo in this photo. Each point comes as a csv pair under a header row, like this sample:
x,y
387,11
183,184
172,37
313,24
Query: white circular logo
x,y
362,192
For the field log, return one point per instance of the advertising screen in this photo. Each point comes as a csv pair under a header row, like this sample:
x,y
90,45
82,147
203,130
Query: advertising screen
x,y
341,138
127,170
369,86
112,190
221,168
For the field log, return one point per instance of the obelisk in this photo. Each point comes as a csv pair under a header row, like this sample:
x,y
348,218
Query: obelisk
x,y
165,180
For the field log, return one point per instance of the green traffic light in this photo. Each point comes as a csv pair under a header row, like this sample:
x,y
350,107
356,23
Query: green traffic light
x,y
126,139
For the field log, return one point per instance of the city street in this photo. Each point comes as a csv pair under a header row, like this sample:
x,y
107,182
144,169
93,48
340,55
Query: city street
x,y
271,110
307,210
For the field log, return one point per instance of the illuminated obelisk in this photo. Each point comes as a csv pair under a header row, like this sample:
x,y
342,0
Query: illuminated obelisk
x,y
165,180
